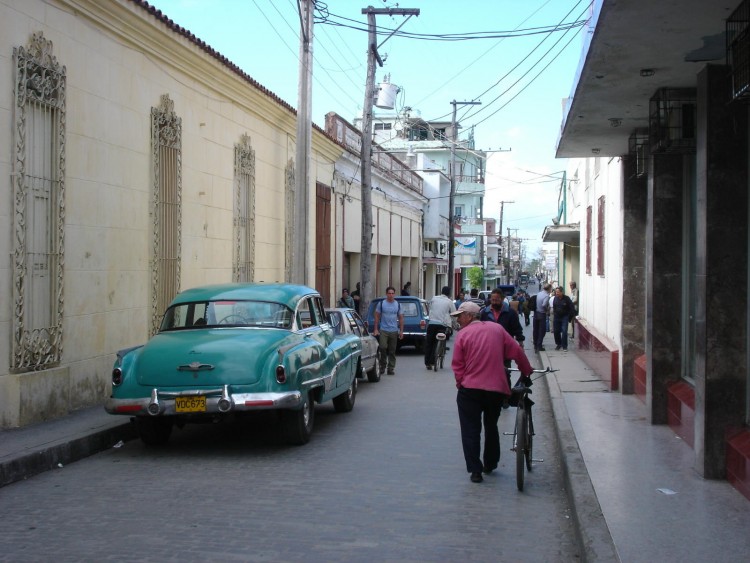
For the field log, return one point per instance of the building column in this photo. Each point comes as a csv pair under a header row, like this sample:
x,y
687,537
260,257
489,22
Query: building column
x,y
634,209
721,275
663,279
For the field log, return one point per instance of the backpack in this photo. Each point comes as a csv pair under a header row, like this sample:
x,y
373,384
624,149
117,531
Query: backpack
x,y
379,309
532,303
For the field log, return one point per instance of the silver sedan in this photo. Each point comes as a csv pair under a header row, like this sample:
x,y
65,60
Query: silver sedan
x,y
347,321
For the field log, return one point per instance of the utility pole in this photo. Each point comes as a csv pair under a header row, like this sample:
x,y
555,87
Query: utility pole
x,y
500,226
299,259
452,195
507,277
366,151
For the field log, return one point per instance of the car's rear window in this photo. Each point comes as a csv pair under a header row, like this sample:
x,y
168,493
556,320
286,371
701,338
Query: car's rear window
x,y
227,313
409,309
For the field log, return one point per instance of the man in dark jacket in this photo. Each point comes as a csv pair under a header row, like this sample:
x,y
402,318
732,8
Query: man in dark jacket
x,y
501,312
564,311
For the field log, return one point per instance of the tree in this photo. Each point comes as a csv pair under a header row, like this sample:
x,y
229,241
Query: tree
x,y
476,276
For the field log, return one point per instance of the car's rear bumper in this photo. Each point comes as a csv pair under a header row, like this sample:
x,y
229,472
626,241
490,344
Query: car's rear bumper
x,y
218,401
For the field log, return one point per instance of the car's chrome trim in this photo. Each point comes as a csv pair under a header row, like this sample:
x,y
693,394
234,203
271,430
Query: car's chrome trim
x,y
195,366
240,401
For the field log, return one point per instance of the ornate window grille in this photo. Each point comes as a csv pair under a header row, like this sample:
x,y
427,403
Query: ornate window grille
x,y
38,206
166,207
244,211
289,190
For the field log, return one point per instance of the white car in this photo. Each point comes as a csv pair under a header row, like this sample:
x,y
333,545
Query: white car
x,y
347,321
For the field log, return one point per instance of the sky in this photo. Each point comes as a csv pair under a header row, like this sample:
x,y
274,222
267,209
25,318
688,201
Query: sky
x,y
519,58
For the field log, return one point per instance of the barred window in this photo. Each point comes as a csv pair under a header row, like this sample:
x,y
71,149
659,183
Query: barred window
x,y
166,207
244,211
39,206
600,238
589,217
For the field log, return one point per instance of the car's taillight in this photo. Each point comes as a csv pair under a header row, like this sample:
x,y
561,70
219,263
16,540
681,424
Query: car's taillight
x,y
422,324
280,374
116,377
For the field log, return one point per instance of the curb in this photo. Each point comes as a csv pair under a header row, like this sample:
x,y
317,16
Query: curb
x,y
592,532
64,452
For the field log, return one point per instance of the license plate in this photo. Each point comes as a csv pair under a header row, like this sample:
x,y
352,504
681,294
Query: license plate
x,y
190,404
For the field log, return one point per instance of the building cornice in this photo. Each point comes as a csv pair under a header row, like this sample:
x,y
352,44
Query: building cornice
x,y
147,30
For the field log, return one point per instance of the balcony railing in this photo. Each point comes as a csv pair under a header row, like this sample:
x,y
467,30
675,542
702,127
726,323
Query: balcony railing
x,y
349,137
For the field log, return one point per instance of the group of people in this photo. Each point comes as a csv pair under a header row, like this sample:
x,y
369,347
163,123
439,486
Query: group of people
x,y
490,336
564,310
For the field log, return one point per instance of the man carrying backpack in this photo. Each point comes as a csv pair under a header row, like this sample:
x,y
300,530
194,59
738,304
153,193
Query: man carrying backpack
x,y
389,329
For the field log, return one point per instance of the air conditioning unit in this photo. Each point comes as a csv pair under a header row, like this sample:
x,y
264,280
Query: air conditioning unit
x,y
738,50
672,118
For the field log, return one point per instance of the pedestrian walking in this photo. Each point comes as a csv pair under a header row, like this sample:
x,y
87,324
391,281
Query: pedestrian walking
x,y
389,329
540,317
474,297
499,311
460,298
441,307
479,356
564,311
406,290
574,299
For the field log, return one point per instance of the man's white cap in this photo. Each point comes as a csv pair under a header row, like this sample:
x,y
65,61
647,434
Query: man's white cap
x,y
467,307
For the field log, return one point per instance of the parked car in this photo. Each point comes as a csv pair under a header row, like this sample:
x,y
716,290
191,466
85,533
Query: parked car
x,y
232,349
346,322
416,316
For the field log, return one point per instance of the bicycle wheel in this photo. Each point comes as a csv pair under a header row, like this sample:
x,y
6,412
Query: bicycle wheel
x,y
529,442
521,441
439,354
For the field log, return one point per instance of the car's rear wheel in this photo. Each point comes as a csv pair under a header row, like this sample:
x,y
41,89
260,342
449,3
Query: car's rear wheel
x,y
154,431
345,401
374,374
298,424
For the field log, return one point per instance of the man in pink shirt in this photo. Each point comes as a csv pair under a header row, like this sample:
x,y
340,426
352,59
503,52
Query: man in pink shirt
x,y
479,354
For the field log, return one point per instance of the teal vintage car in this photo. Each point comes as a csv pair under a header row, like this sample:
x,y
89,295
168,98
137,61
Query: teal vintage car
x,y
226,350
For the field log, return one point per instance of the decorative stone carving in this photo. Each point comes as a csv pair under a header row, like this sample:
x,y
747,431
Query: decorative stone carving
x,y
290,227
244,210
166,207
40,83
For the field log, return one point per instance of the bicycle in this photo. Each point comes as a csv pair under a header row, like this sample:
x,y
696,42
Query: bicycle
x,y
439,350
523,431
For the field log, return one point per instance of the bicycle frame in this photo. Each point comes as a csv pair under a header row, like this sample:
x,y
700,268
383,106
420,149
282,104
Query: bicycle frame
x,y
523,431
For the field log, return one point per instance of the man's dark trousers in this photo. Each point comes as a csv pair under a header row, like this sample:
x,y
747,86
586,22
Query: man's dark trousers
x,y
540,329
474,407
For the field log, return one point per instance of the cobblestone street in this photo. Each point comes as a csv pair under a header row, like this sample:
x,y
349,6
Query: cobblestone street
x,y
386,482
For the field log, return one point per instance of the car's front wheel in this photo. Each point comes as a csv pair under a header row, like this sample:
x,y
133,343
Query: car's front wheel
x,y
298,424
373,376
154,431
345,401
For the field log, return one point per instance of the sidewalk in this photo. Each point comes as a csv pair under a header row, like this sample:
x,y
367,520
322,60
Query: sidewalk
x,y
632,484
27,451
632,488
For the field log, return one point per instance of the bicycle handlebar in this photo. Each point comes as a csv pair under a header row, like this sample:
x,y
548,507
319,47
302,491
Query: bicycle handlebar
x,y
546,370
